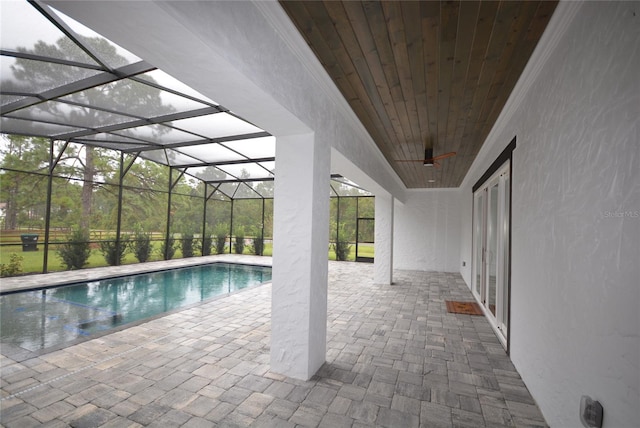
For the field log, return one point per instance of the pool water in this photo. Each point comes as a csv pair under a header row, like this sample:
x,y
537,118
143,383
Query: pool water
x,y
35,320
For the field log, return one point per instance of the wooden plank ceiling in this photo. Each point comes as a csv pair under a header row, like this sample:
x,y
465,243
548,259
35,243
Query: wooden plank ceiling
x,y
424,74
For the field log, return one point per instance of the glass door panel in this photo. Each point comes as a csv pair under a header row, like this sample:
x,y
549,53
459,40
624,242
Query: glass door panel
x,y
490,270
478,242
503,319
492,249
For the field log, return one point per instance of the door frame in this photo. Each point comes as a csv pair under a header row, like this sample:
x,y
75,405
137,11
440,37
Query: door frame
x,y
498,163
358,241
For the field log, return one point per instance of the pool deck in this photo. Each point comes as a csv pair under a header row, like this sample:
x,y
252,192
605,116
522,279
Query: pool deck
x,y
395,358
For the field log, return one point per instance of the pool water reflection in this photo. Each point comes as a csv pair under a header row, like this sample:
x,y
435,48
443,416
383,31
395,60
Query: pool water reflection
x,y
35,320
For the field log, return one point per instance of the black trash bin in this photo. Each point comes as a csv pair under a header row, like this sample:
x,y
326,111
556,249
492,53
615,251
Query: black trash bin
x,y
29,241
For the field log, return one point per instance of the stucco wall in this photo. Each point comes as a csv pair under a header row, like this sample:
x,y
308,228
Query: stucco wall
x,y
576,219
427,231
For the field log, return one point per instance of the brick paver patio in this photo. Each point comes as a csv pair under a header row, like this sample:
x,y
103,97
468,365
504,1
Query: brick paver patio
x,y
395,358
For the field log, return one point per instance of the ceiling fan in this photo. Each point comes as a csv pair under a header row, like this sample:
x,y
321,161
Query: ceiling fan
x,y
429,159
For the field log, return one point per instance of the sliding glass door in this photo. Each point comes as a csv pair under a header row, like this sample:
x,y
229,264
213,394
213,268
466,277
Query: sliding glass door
x,y
491,249
478,240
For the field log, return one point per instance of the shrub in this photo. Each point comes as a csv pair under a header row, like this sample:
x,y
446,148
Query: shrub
x,y
342,250
168,248
14,267
76,251
114,251
207,242
257,246
141,245
221,238
341,247
239,241
186,243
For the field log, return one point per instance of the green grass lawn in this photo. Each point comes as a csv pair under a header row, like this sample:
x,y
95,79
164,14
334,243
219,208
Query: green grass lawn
x,y
364,250
32,260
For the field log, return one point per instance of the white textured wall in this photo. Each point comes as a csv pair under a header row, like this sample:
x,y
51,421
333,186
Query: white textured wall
x,y
575,320
427,231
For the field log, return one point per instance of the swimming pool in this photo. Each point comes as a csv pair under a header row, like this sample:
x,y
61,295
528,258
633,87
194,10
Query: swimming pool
x,y
40,319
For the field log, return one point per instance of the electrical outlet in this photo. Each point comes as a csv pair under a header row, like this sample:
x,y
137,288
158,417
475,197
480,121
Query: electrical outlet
x,y
464,263
591,412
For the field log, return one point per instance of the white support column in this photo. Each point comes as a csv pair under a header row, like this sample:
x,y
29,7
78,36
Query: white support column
x,y
300,266
383,260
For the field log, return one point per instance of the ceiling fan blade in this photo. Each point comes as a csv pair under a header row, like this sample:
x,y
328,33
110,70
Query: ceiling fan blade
x,y
409,160
444,156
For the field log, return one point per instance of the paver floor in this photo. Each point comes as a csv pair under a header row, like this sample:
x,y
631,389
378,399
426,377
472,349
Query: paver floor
x,y
395,358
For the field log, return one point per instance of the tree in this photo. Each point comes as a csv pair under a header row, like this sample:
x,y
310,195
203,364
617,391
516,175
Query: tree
x,y
218,210
187,209
146,184
18,189
124,95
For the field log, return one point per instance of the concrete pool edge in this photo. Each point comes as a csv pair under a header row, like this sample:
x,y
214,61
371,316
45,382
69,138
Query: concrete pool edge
x,y
46,280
